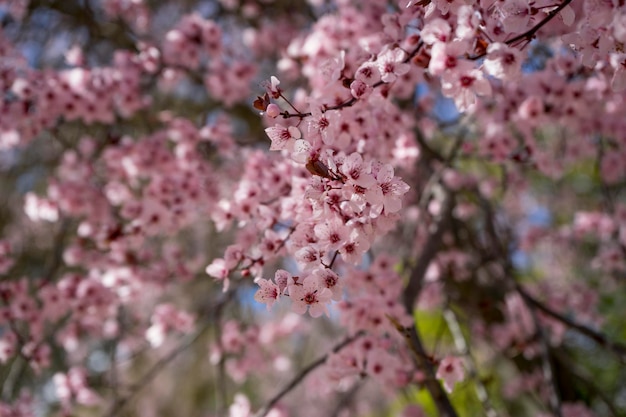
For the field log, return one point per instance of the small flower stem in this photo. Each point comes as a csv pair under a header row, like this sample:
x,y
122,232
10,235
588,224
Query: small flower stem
x,y
299,113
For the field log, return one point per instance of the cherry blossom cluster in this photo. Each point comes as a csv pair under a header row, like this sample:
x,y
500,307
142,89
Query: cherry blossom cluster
x,y
348,197
72,389
313,130
439,182
112,245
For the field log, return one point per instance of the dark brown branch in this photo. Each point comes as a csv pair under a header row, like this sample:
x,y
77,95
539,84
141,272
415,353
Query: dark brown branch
x,y
411,292
429,153
302,374
439,396
423,361
499,249
547,365
617,348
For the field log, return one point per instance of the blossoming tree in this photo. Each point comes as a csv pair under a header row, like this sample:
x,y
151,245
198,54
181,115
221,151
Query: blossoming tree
x,y
312,208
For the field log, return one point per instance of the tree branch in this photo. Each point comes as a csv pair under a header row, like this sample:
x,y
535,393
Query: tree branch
x,y
154,371
411,292
531,32
616,348
528,35
547,365
300,377
414,287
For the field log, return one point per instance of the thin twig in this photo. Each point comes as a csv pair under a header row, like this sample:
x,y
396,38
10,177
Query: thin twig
x,y
588,381
528,35
427,151
56,260
531,32
222,392
14,375
547,365
302,374
167,359
429,251
155,370
347,399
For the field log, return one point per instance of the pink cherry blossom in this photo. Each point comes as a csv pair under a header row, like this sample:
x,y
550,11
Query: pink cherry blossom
x,y
217,269
390,65
451,371
436,30
353,250
464,86
436,158
331,234
515,15
310,294
368,73
282,137
268,293
446,56
503,62
327,278
308,257
392,189
355,169
272,110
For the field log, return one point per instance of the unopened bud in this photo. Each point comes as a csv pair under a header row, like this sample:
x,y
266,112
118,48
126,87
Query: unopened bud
x,y
272,110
